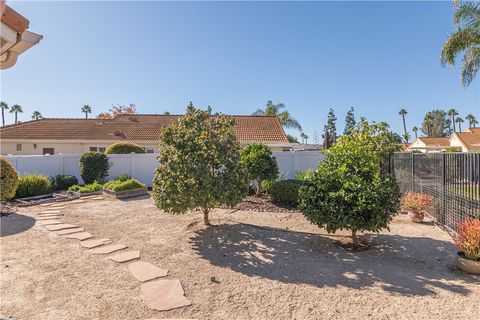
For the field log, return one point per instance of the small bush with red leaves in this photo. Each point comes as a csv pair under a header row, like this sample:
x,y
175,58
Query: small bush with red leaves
x,y
416,202
468,238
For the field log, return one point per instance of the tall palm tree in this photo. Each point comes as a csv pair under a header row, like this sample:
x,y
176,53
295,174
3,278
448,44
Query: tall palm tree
x,y
86,109
474,123
36,115
304,137
16,109
465,39
471,120
4,107
285,118
403,112
415,130
428,121
452,113
459,121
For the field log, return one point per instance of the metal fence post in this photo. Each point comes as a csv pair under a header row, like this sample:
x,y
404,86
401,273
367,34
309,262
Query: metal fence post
x,y
443,199
413,171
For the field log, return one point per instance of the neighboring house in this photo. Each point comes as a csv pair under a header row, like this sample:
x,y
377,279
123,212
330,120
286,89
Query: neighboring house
x,y
424,144
75,136
15,38
466,141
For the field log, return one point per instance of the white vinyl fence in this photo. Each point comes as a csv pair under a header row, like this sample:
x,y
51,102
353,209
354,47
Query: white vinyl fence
x,y
142,166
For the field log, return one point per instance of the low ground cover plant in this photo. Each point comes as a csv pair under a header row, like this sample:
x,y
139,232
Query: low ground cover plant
x,y
92,187
94,167
124,148
348,191
63,182
260,164
31,185
468,238
285,192
121,185
8,180
199,165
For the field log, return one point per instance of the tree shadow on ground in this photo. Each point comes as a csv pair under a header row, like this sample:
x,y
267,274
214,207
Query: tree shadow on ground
x,y
397,264
15,223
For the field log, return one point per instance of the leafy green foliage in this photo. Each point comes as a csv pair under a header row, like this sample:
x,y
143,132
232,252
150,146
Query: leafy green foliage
x,y
199,165
349,121
63,182
284,117
435,124
266,185
8,179
348,191
121,185
303,175
330,129
92,187
259,162
123,177
31,185
285,192
124,148
292,139
94,167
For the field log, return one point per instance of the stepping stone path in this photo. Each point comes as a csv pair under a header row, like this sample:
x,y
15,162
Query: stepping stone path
x,y
95,243
49,222
145,271
61,226
108,249
79,236
161,295
164,295
125,256
69,231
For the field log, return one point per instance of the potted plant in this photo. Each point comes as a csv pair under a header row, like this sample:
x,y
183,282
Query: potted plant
x,y
416,204
468,242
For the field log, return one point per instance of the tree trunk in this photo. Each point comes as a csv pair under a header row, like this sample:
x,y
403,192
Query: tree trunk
x,y
453,122
16,117
404,127
3,117
355,238
205,216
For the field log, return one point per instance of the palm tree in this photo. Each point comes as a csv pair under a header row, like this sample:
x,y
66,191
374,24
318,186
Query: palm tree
x,y
474,123
428,121
415,130
465,39
285,118
86,109
36,115
471,120
4,107
452,113
459,121
403,112
16,109
304,137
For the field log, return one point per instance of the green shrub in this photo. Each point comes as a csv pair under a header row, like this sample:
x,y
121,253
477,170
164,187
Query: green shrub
x,y
63,182
92,187
303,175
285,192
31,185
259,162
124,148
348,191
266,185
123,177
121,185
94,167
8,179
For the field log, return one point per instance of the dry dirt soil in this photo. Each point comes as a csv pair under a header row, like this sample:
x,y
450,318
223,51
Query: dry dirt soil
x,y
266,266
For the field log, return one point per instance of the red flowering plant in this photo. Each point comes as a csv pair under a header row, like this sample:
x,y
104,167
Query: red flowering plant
x,y
468,238
416,203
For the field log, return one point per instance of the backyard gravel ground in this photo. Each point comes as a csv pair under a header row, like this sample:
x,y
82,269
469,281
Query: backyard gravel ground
x,y
266,266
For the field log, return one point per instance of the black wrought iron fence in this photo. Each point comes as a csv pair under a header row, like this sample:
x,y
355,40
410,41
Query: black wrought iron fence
x,y
452,179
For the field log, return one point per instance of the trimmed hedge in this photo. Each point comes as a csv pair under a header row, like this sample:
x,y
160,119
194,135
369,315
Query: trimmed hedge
x,y
285,192
92,187
33,185
94,167
63,182
8,179
124,148
119,185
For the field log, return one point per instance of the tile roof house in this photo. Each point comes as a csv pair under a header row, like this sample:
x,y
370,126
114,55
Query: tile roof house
x,y
466,141
424,144
74,136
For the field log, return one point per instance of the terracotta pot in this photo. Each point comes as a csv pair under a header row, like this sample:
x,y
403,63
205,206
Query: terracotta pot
x,y
416,216
467,265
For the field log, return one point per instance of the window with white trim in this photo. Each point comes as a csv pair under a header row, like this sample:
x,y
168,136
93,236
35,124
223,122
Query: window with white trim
x,y
97,149
19,147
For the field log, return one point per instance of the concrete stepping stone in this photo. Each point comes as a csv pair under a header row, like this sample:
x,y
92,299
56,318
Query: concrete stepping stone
x,y
164,295
108,249
125,256
69,231
79,236
49,217
78,201
49,222
49,211
94,243
145,271
61,226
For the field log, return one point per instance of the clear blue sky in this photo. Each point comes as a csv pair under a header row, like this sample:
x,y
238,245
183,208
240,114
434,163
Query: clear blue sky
x,y
374,56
